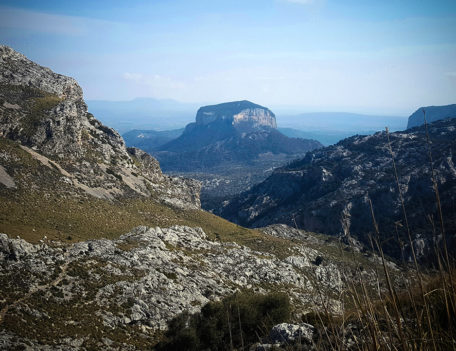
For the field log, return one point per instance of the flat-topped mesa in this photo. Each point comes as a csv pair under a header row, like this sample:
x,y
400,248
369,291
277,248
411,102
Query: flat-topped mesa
x,y
240,114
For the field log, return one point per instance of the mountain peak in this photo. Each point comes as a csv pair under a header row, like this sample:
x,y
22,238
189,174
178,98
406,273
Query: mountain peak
x,y
45,113
18,70
241,114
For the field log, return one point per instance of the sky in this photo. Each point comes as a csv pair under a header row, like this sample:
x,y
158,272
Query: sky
x,y
365,56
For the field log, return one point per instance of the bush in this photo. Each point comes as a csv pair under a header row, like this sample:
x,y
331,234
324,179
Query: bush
x,y
238,319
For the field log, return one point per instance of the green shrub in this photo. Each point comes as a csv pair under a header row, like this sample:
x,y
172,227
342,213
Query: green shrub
x,y
238,319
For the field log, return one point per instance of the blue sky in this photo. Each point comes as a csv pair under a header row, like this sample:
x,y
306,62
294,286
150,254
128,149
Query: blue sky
x,y
314,55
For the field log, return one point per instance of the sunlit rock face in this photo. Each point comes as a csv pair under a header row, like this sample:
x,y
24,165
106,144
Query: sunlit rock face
x,y
240,114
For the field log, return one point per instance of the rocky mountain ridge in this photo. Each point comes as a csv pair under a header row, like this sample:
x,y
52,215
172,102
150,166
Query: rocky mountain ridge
x,y
329,190
45,112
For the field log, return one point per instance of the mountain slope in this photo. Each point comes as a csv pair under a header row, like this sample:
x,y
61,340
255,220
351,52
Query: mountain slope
x,y
143,113
243,149
46,114
331,187
119,294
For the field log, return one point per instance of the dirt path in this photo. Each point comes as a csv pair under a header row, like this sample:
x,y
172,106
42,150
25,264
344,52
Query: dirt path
x,y
43,287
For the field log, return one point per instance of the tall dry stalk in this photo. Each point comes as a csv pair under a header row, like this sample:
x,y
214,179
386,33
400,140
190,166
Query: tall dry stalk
x,y
389,284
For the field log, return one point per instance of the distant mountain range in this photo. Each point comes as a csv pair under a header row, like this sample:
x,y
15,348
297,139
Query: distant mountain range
x,y
229,147
143,113
149,140
325,137
162,115
341,122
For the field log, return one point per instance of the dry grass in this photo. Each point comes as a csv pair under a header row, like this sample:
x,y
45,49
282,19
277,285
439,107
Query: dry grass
x,y
64,218
420,317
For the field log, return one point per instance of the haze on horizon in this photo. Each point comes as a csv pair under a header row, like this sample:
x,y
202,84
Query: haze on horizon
x,y
387,57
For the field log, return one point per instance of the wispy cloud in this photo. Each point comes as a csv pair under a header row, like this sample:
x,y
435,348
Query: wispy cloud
x,y
40,22
302,2
159,84
136,77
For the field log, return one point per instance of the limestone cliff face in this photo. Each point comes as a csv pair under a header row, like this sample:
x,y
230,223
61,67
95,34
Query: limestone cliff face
x,y
45,112
241,114
256,117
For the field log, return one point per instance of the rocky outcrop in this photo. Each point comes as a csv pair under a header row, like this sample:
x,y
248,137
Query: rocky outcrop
x,y
433,113
45,112
127,289
241,114
18,70
329,190
285,333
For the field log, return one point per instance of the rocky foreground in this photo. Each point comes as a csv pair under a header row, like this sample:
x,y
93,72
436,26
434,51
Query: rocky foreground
x,y
113,294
